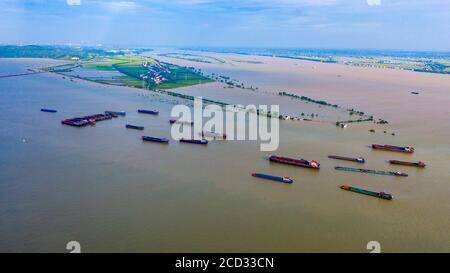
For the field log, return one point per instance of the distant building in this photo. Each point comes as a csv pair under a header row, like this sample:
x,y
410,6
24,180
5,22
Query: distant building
x,y
75,58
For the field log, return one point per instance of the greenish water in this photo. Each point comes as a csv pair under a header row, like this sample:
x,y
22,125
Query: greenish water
x,y
103,187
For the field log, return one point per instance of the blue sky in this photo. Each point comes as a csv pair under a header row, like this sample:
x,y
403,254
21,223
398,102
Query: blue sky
x,y
380,24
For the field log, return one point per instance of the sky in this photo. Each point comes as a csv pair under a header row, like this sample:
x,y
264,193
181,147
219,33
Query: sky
x,y
368,24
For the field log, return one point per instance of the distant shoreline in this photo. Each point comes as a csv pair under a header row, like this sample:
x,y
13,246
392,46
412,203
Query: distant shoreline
x,y
417,61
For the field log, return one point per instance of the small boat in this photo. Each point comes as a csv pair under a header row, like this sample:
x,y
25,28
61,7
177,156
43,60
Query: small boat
x,y
151,112
313,164
194,141
116,113
172,121
357,159
381,195
129,126
419,164
415,93
283,179
370,171
48,110
155,139
393,148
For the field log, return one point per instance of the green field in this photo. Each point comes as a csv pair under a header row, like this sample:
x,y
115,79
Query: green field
x,y
181,76
134,74
99,66
115,67
132,69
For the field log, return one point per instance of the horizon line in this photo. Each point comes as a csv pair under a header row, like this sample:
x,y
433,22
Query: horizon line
x,y
193,47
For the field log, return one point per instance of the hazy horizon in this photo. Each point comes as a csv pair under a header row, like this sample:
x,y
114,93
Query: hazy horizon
x,y
231,49
322,24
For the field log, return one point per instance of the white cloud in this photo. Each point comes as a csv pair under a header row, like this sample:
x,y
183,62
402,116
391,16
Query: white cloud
x,y
73,2
374,2
117,6
249,3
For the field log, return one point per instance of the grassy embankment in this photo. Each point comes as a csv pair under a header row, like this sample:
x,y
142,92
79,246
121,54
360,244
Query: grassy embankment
x,y
247,61
193,57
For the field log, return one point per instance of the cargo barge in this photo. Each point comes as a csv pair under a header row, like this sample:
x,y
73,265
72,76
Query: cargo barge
x,y
112,115
194,141
135,127
353,159
283,179
172,121
48,110
86,120
213,135
150,112
116,113
313,164
419,164
381,195
370,171
155,139
393,148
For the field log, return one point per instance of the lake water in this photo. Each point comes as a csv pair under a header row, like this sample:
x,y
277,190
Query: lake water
x,y
103,187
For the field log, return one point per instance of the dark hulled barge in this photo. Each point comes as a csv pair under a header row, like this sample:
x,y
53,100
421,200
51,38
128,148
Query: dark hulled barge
x,y
48,110
116,113
313,164
381,195
353,159
393,148
194,141
419,164
86,120
283,179
155,139
370,171
150,112
135,127
172,121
